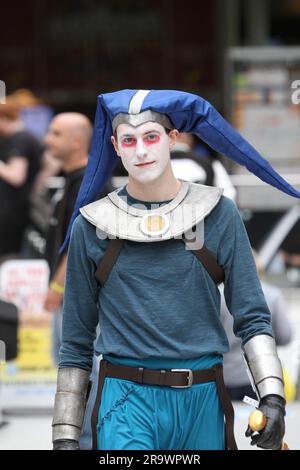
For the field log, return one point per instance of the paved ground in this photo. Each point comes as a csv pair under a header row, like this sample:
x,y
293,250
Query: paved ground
x,y
34,432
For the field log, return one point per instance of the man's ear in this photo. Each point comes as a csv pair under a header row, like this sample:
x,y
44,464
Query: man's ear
x,y
115,144
173,134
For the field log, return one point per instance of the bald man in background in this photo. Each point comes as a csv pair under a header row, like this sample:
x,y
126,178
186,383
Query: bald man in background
x,y
68,141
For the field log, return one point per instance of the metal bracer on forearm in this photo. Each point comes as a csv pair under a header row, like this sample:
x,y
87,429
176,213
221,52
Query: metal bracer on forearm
x,y
70,402
264,365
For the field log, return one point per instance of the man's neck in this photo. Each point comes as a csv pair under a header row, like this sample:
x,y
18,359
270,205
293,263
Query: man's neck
x,y
73,165
164,188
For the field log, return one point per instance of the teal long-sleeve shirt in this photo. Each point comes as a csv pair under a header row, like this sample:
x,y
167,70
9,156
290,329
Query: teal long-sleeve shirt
x,y
159,301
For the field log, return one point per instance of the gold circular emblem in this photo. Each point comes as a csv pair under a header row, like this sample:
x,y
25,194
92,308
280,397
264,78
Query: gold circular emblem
x,y
155,223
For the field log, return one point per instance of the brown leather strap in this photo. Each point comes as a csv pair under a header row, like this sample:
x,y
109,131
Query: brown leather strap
x,y
209,262
169,378
107,262
230,443
112,252
176,378
94,418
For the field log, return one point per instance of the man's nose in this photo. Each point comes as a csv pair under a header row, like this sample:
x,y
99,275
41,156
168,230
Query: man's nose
x,y
141,150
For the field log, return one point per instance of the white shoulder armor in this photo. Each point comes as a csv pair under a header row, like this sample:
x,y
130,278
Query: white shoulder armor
x,y
113,216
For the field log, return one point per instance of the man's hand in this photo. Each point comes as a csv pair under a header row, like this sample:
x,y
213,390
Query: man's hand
x,y
273,408
65,444
15,171
53,300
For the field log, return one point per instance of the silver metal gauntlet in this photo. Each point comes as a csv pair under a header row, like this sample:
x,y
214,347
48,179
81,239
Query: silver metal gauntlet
x,y
70,402
264,365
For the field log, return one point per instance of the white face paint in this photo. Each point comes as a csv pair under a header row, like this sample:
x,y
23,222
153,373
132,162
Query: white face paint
x,y
144,150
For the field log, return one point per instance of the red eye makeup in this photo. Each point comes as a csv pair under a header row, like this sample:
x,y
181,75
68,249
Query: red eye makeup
x,y
128,142
151,139
148,139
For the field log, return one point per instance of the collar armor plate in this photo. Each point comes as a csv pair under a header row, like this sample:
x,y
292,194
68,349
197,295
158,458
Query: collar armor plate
x,y
113,216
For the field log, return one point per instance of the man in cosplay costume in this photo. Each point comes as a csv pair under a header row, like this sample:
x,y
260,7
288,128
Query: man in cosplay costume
x,y
145,262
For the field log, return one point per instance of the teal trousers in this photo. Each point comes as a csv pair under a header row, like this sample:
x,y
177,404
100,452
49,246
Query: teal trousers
x,y
147,417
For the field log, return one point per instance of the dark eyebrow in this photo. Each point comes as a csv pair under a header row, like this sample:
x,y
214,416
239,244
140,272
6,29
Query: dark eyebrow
x,y
145,133
152,132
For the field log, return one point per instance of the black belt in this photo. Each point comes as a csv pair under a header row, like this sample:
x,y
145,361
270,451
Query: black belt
x,y
175,378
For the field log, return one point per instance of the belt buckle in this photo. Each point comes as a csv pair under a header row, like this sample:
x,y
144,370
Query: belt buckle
x,y
189,378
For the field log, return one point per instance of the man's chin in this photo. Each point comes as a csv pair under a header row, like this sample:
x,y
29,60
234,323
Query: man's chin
x,y
146,179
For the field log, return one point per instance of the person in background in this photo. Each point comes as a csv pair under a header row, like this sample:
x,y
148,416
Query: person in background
x,y
235,375
199,164
68,141
20,156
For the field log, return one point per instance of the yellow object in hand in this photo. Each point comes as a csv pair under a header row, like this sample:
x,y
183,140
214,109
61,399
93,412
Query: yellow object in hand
x,y
257,420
